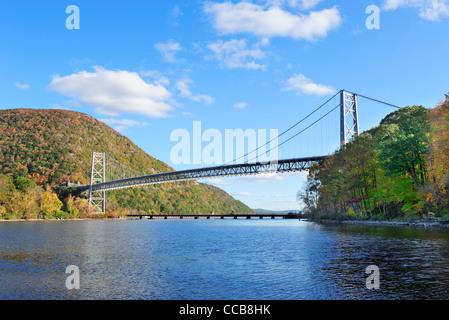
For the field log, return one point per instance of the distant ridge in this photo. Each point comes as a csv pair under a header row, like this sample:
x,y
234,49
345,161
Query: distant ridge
x,y
265,211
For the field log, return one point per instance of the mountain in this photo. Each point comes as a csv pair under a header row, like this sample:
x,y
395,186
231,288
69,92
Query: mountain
x,y
54,146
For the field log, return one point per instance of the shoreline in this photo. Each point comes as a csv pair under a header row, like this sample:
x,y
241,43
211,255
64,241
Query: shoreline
x,y
421,223
53,220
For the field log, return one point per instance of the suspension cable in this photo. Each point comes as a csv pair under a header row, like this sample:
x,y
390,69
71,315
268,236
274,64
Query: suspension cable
x,y
338,105
376,100
293,126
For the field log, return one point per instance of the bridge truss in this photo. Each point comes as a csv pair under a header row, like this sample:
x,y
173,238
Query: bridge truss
x,y
98,185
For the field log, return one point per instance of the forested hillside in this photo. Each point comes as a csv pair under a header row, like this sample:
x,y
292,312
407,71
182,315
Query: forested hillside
x,y
397,170
40,149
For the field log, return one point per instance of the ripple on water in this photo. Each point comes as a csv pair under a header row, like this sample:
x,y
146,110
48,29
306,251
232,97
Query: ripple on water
x,y
220,259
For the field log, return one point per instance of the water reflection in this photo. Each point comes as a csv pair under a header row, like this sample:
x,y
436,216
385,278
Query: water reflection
x,y
412,261
220,259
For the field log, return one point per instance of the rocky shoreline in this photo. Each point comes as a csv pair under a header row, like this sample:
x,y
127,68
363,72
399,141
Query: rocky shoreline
x,y
421,223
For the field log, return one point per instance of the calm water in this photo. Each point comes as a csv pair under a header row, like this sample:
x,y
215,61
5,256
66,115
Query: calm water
x,y
220,259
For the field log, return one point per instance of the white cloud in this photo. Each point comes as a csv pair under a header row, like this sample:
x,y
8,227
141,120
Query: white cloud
x,y
303,85
112,93
217,182
240,105
121,124
235,53
241,194
431,10
22,86
183,87
270,177
169,50
156,75
272,21
260,178
300,4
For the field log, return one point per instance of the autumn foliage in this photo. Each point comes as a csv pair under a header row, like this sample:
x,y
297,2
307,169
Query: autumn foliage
x,y
397,170
42,148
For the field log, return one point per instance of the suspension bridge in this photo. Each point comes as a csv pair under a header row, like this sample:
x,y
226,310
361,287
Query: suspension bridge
x,y
108,174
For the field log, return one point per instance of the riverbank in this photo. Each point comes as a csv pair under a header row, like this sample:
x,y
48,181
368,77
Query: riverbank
x,y
420,223
49,220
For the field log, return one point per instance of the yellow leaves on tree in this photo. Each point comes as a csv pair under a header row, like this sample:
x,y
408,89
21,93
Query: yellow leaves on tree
x,y
24,204
50,204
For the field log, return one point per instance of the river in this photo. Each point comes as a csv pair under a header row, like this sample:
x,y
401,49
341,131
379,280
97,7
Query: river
x,y
220,259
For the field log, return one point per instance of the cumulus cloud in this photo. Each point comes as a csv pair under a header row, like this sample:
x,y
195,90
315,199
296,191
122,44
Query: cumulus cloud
x,y
303,85
112,93
235,53
183,87
431,10
272,21
169,50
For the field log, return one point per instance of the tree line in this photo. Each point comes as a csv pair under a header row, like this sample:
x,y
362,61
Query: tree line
x,y
22,198
396,170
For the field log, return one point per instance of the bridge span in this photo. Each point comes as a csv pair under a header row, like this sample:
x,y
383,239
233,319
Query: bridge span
x,y
97,196
280,166
104,177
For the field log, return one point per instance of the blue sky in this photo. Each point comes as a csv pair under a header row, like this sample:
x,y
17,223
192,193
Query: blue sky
x,y
147,68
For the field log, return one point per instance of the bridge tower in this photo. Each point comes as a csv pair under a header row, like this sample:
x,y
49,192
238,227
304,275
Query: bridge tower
x,y
349,121
97,199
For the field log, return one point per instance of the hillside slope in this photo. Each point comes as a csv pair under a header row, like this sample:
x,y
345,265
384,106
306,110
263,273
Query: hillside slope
x,y
54,146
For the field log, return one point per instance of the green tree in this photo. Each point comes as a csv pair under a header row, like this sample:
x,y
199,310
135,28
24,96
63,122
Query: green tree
x,y
22,184
7,187
403,140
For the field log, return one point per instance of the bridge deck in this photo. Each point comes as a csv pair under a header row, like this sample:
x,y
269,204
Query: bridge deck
x,y
281,166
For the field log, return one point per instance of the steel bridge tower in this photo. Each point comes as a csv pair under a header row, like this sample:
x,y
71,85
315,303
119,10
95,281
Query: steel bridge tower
x,y
97,199
349,121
